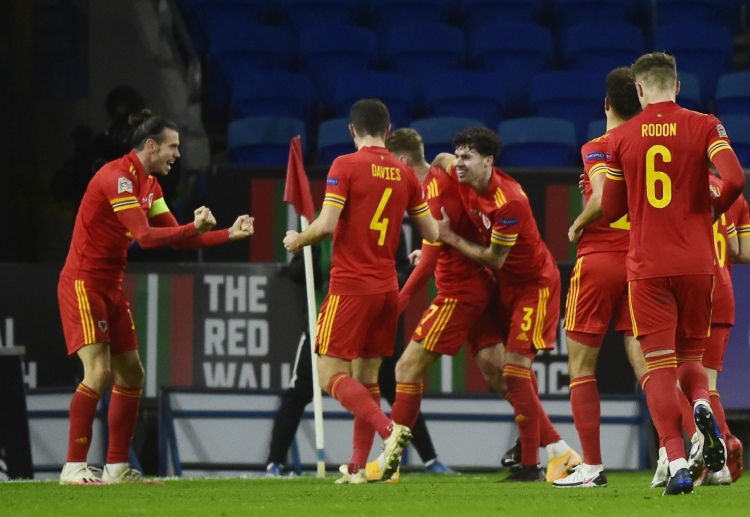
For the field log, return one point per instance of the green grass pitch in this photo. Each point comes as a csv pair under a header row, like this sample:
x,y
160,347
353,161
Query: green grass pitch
x,y
469,494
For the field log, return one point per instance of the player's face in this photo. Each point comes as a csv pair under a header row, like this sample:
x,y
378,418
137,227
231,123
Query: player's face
x,y
469,165
166,153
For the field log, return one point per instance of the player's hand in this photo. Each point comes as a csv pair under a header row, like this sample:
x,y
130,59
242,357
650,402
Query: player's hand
x,y
204,219
290,242
580,184
242,228
415,256
574,233
444,226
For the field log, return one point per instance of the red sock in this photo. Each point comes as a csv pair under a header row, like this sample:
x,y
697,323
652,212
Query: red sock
x,y
82,413
526,410
686,413
122,419
587,414
405,410
364,434
357,400
661,397
547,432
718,409
693,380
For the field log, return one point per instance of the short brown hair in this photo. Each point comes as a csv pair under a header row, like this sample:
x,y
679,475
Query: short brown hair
x,y
407,141
484,141
370,117
622,93
657,69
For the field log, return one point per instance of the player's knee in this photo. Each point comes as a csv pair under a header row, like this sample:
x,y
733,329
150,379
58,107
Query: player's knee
x,y
97,377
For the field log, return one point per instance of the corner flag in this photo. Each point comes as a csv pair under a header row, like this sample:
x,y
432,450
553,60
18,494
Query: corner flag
x,y
297,188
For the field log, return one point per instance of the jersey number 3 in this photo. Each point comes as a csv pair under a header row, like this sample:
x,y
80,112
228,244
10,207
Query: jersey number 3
x,y
378,224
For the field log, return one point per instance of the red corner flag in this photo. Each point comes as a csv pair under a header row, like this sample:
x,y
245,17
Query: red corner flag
x,y
297,189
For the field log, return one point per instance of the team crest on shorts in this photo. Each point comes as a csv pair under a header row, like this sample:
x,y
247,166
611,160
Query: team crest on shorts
x,y
124,185
102,325
721,130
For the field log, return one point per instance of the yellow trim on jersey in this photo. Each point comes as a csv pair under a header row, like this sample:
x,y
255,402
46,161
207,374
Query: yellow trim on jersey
x,y
541,316
717,146
499,197
124,203
418,211
325,326
599,168
504,239
84,308
159,207
571,304
441,320
432,189
632,314
334,200
731,230
615,174
743,231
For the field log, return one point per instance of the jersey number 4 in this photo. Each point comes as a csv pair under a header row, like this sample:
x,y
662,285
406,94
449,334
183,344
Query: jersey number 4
x,y
378,224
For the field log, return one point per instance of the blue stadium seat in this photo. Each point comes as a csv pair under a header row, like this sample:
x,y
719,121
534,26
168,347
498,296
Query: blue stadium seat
x,y
733,94
262,140
477,95
538,142
385,13
587,47
572,95
419,48
701,48
275,92
680,11
301,14
437,133
395,90
483,12
326,51
738,131
334,139
574,12
690,95
516,50
596,128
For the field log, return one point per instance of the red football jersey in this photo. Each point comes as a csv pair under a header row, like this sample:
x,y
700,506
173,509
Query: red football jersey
x,y
739,215
455,273
373,189
723,297
503,214
100,242
663,154
600,235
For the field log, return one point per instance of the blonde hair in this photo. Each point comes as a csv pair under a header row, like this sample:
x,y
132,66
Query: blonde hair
x,y
407,141
656,70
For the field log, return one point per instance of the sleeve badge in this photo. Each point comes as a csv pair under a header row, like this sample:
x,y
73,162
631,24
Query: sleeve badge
x,y
124,185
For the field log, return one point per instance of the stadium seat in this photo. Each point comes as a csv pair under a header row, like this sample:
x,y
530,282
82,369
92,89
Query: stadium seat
x,y
395,90
738,131
690,93
437,133
679,11
733,94
262,140
596,129
518,51
326,51
574,12
572,95
587,47
300,14
483,12
420,48
334,139
384,13
538,142
701,48
478,95
276,93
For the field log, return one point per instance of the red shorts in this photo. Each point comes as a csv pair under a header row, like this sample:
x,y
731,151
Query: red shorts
x,y
446,323
93,313
534,312
598,292
716,345
679,303
352,326
490,329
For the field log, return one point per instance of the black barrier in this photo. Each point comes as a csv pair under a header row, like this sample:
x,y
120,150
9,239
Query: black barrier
x,y
15,447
